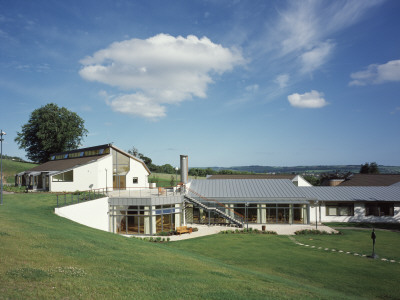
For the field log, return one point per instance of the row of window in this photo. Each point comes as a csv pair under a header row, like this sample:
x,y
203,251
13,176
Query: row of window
x,y
371,209
81,154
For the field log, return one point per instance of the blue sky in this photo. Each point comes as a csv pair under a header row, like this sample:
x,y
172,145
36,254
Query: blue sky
x,y
229,83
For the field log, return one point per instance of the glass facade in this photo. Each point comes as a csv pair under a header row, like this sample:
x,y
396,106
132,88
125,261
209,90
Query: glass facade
x,y
64,177
82,153
145,220
339,209
121,167
382,209
253,214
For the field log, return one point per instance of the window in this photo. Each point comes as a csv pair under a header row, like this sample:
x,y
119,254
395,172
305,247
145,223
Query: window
x,y
64,177
135,180
379,209
338,209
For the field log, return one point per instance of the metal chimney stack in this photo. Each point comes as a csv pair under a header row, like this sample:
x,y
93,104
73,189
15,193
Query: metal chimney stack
x,y
184,169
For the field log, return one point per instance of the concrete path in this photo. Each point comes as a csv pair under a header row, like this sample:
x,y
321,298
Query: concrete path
x,y
214,229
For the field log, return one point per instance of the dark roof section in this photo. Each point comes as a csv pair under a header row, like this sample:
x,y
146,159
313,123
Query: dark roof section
x,y
65,164
83,149
254,176
83,160
371,180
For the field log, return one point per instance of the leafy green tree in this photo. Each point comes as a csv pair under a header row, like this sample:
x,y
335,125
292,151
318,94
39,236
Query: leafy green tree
x,y
364,168
172,181
371,168
147,160
50,129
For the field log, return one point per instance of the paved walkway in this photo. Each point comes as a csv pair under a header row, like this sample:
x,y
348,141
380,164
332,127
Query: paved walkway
x,y
284,229
332,250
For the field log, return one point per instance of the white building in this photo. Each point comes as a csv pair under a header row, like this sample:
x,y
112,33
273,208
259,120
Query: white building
x,y
100,167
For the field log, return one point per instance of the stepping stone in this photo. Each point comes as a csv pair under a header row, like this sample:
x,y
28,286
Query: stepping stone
x,y
392,261
341,251
348,252
333,250
384,259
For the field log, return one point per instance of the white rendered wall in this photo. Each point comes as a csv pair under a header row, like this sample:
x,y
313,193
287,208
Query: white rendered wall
x,y
137,170
92,213
87,177
301,181
359,215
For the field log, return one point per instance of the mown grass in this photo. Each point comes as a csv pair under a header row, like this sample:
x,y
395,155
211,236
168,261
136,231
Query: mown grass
x,y
11,167
387,244
164,180
44,256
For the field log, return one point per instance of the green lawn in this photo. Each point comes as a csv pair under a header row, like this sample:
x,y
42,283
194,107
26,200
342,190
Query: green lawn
x,y
10,168
164,180
45,256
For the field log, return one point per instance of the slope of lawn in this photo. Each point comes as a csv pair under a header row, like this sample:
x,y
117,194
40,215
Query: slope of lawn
x,y
44,256
11,167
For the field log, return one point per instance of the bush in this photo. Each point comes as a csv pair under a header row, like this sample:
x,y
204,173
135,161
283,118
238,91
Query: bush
x,y
314,231
245,231
165,233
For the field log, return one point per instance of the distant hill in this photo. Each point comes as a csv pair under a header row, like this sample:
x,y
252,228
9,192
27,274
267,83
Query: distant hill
x,y
309,169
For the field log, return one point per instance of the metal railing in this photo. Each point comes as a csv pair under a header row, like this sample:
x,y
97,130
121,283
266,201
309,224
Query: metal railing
x,y
64,199
69,198
235,215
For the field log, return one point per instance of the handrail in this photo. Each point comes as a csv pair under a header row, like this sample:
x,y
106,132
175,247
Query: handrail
x,y
217,202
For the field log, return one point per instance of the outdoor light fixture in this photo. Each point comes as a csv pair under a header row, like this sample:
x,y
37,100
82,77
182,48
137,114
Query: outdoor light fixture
x,y
1,165
176,175
247,214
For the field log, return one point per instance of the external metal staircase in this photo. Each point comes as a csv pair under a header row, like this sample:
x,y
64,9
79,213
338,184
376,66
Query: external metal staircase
x,y
236,219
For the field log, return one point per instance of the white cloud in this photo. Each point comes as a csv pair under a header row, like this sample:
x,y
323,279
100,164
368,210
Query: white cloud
x,y
316,57
159,70
282,80
313,99
376,74
304,28
252,88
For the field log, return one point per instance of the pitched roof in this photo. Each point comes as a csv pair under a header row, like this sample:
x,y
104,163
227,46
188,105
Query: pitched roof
x,y
246,189
352,193
371,180
254,176
65,164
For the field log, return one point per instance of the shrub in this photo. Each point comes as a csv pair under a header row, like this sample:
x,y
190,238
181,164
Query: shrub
x,y
15,189
315,232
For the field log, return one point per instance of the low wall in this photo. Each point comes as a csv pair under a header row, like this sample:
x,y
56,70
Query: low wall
x,y
92,213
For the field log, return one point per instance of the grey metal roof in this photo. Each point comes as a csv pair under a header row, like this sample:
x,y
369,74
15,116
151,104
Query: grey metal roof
x,y
352,193
246,189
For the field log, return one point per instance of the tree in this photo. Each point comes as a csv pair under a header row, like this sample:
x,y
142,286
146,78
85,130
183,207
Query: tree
x,y
364,168
371,168
147,160
50,129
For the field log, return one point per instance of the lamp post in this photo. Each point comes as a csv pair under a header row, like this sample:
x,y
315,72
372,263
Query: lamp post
x,y
176,175
106,183
247,215
1,164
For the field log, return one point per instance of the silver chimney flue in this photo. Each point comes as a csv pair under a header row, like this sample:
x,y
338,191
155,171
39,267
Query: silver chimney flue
x,y
184,169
